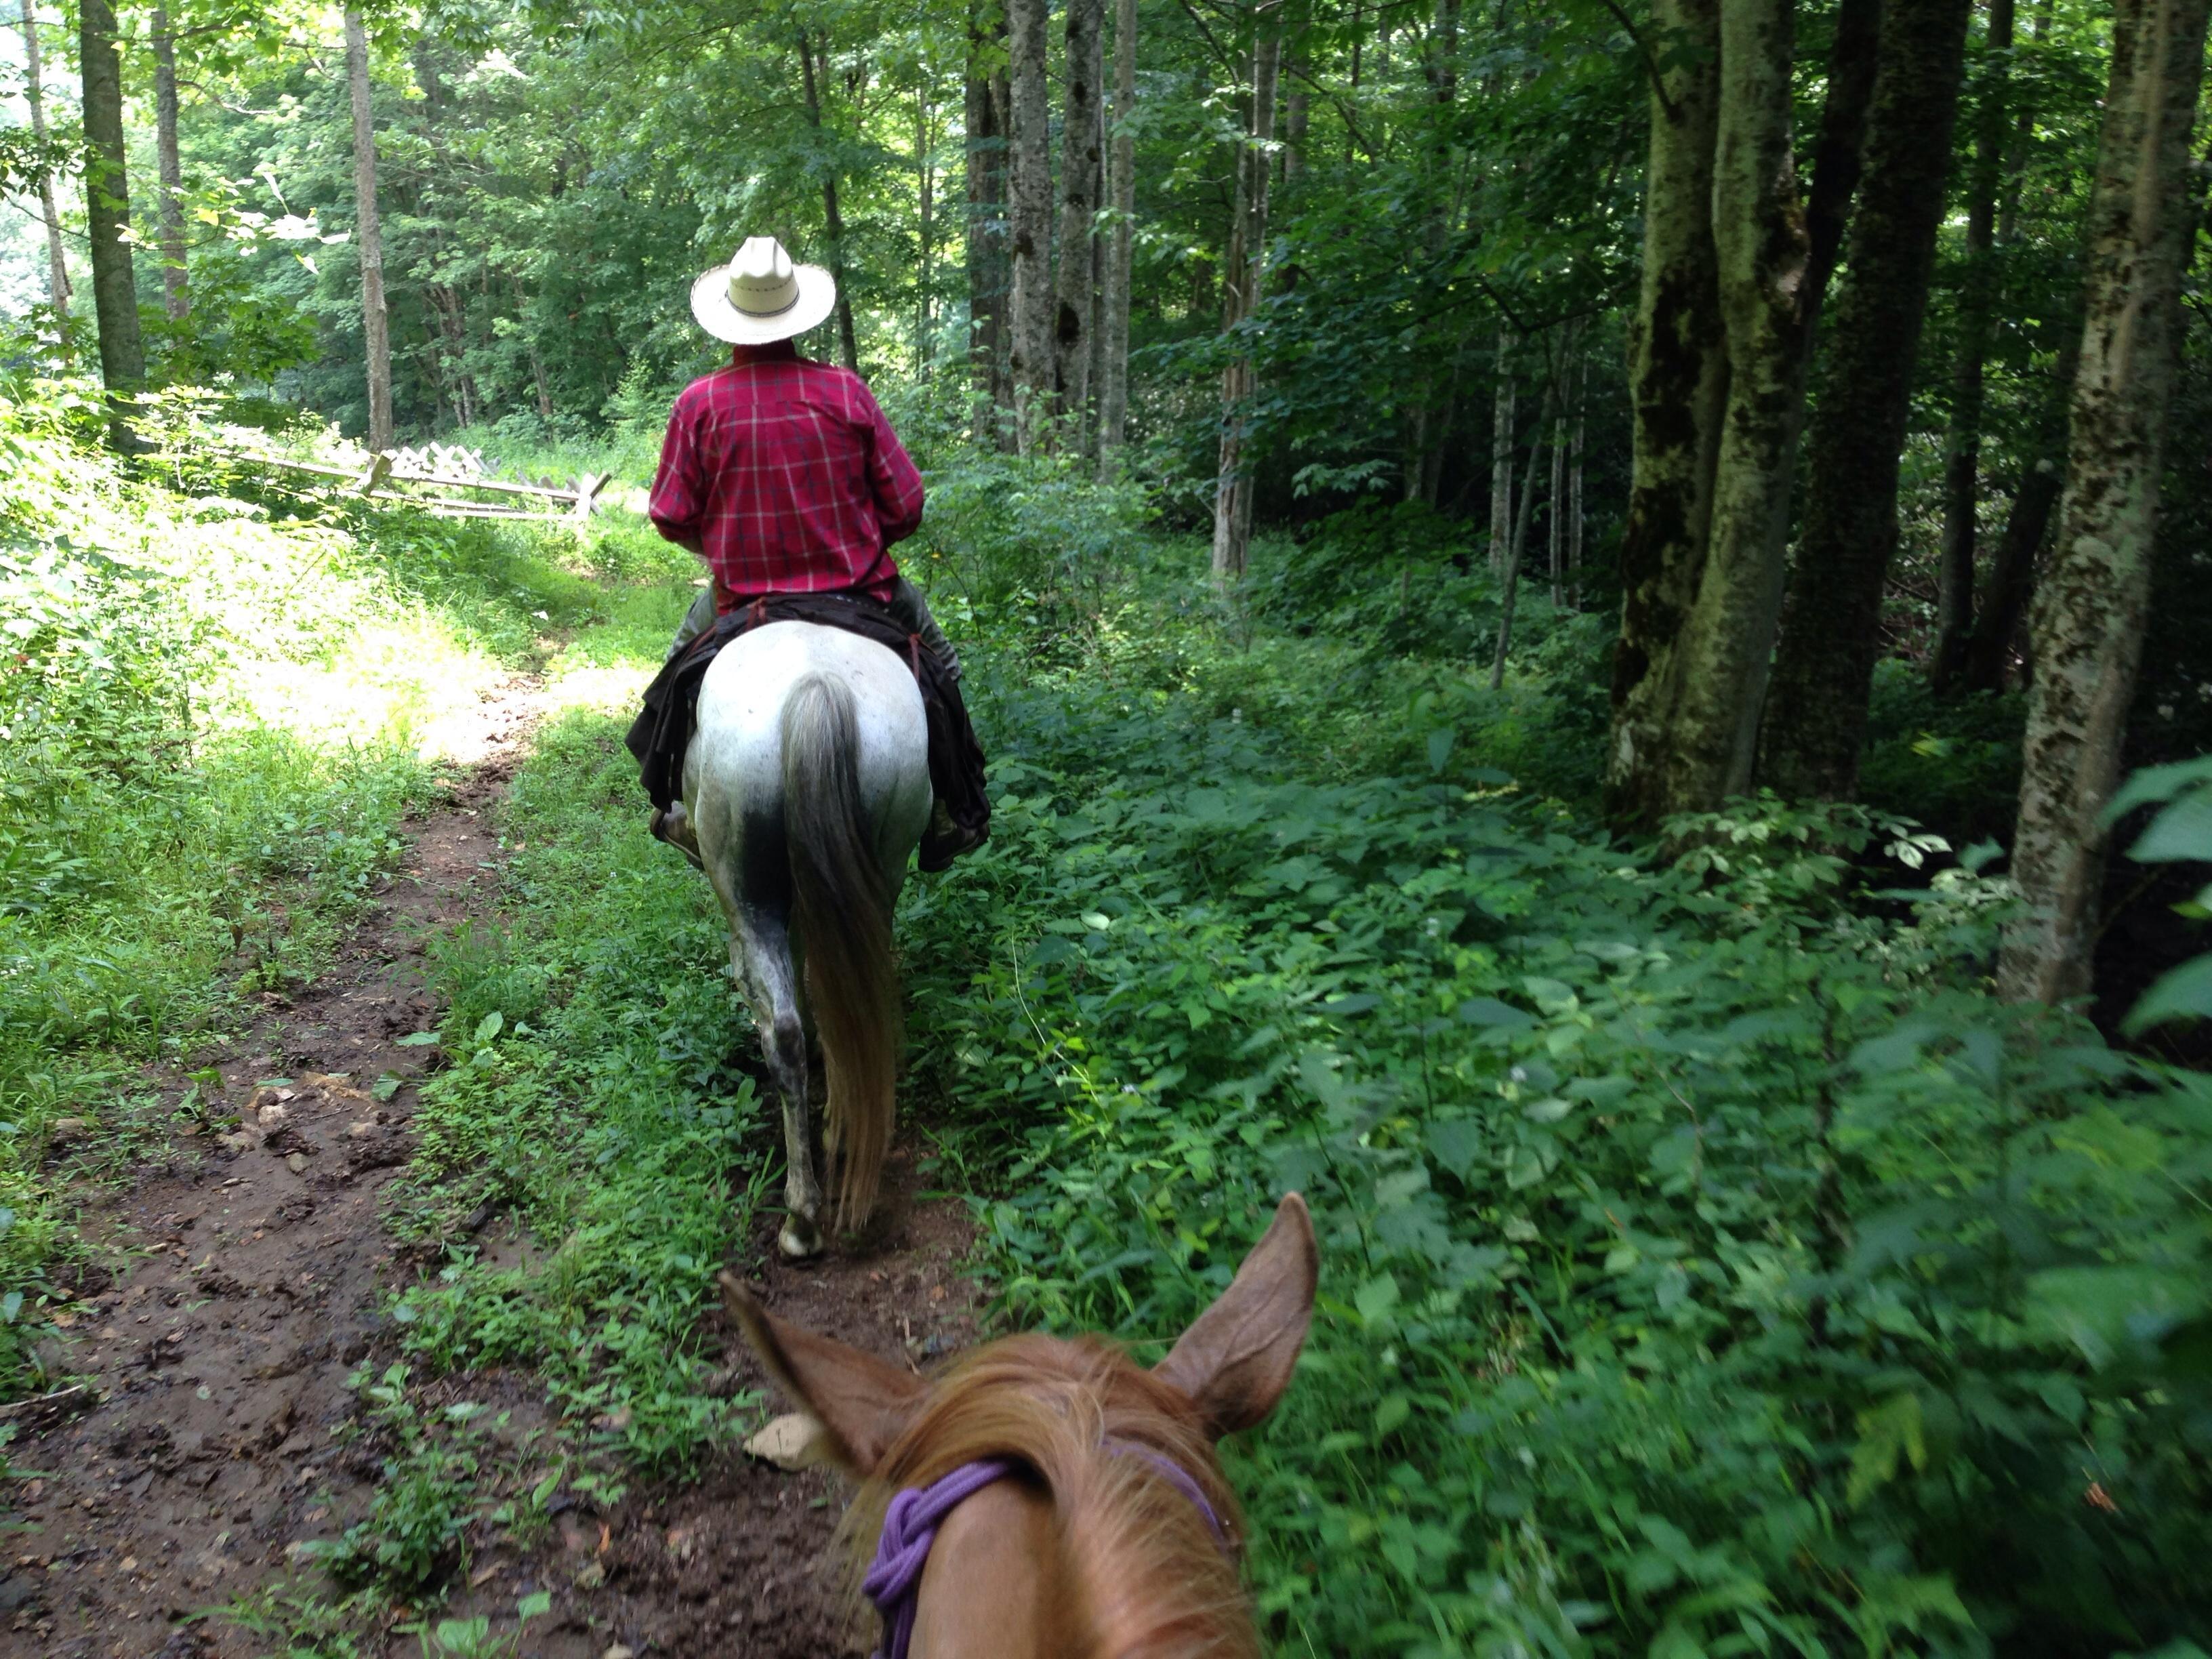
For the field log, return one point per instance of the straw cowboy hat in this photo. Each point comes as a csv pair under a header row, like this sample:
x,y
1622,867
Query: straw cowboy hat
x,y
761,296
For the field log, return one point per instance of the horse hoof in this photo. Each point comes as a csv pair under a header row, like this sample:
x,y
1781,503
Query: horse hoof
x,y
799,1240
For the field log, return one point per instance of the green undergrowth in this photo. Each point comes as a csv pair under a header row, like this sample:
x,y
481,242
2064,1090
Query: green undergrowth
x,y
1710,1264
213,715
594,1103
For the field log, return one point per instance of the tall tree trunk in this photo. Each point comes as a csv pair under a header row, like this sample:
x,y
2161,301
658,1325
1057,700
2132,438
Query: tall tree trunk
x,y
1576,520
1517,551
1962,439
1114,378
1988,648
368,237
925,164
1028,195
833,218
1555,517
107,213
2090,605
58,282
1832,631
1079,176
174,299
1239,288
1501,457
1717,381
987,214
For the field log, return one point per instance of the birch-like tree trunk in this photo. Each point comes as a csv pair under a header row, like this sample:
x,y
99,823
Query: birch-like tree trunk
x,y
1576,519
1114,375
1080,175
1832,632
925,167
176,300
985,112
1240,289
2091,603
1555,517
1962,439
108,216
1717,383
1501,456
1028,195
58,282
369,238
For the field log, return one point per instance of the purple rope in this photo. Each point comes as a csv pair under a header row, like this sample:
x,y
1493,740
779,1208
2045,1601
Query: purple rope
x,y
910,1524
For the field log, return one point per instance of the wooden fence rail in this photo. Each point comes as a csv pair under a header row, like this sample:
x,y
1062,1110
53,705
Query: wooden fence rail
x,y
387,475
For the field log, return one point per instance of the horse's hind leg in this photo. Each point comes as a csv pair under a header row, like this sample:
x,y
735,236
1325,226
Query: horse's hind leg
x,y
762,957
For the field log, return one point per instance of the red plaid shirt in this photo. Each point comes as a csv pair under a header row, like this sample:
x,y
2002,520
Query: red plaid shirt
x,y
784,474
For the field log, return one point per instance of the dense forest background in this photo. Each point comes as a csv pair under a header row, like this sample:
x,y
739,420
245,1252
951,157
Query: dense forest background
x,y
1591,620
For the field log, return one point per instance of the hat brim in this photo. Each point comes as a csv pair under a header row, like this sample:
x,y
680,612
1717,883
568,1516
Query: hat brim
x,y
711,307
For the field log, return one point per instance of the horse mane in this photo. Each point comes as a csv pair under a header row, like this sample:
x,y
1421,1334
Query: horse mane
x,y
1152,1580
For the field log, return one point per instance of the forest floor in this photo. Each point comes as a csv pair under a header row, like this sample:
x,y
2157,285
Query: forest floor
x,y
214,1428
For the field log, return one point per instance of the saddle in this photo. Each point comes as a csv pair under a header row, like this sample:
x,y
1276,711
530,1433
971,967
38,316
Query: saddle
x,y
662,730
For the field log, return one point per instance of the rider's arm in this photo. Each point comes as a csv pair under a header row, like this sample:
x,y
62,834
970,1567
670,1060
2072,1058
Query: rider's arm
x,y
680,494
891,476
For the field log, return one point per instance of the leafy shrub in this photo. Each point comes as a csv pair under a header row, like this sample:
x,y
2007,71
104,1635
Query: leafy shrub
x,y
1708,1264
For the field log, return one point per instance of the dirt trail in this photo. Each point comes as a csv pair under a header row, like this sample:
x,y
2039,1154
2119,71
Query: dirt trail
x,y
246,1275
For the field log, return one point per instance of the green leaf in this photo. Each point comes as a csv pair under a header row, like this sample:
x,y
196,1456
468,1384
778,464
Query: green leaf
x,y
1489,1010
2183,993
1392,1413
490,1026
1375,1297
534,1606
417,1040
387,1085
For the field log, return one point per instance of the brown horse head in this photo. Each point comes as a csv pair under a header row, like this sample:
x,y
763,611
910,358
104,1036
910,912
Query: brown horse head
x,y
1094,1549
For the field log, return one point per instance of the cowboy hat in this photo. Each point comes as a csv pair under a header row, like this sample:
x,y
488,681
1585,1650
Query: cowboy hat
x,y
761,296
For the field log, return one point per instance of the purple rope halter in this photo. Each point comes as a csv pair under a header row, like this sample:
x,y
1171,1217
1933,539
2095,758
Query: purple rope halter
x,y
910,1524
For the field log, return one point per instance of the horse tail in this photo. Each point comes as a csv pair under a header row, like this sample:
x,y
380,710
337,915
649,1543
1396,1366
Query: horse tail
x,y
841,911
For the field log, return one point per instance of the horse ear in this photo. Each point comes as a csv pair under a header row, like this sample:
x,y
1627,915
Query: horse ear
x,y
1236,1360
863,1402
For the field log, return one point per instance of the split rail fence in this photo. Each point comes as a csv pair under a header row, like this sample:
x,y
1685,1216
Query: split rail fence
x,y
398,476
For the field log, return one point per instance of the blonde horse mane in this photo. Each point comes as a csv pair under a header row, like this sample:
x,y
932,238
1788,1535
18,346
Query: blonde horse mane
x,y
1150,1578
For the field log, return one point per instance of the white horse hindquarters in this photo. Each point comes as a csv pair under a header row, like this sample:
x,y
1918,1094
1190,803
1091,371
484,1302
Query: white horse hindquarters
x,y
807,781
737,733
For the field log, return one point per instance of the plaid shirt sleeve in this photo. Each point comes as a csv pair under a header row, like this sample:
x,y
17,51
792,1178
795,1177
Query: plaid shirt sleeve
x,y
891,476
680,494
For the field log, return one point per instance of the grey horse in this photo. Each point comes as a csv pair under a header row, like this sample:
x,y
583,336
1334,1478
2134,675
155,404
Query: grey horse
x,y
807,784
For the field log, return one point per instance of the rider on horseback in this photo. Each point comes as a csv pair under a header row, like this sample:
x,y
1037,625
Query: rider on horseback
x,y
782,474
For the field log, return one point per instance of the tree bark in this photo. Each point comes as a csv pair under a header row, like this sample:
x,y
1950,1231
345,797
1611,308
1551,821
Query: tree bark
x,y
833,218
1832,631
1962,439
368,237
1080,171
1555,517
2090,605
1501,457
1029,192
1511,592
1718,379
1576,519
925,165
1114,379
58,282
987,214
107,213
1240,289
1988,648
174,298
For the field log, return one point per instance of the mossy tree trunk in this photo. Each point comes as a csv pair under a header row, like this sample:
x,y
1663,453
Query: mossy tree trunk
x,y
107,215
1831,632
1717,385
2091,603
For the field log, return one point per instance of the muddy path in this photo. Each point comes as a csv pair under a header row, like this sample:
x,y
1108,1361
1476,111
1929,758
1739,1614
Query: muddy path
x,y
240,1282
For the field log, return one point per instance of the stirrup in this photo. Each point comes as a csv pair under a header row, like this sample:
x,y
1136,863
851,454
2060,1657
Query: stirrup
x,y
672,825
